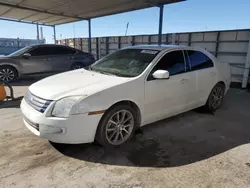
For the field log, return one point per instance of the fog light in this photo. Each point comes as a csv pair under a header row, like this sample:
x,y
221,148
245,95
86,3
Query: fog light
x,y
52,130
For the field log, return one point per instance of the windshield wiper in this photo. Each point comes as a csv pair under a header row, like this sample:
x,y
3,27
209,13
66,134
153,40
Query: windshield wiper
x,y
107,73
102,72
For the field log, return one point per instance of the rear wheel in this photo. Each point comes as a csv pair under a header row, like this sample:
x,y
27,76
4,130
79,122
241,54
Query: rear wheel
x,y
216,97
8,73
117,126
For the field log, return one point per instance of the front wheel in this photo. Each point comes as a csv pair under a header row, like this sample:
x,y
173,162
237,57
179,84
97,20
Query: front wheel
x,y
117,126
8,73
215,97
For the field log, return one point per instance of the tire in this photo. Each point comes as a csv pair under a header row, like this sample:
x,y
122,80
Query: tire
x,y
117,126
76,66
216,97
8,73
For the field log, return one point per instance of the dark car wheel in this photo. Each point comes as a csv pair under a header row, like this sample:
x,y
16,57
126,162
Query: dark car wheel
x,y
117,126
8,73
215,97
76,66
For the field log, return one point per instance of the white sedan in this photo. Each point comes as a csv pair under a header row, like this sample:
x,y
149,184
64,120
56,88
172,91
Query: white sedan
x,y
124,91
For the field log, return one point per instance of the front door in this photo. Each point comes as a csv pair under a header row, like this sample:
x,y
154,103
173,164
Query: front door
x,y
38,62
167,97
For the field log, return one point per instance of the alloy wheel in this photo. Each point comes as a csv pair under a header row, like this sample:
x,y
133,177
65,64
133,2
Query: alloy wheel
x,y
119,127
216,97
7,74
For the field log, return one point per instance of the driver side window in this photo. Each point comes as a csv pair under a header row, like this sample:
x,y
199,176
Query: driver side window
x,y
173,62
40,51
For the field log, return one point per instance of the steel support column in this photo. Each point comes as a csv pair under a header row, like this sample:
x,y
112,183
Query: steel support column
x,y
54,30
97,48
217,44
37,33
89,40
160,23
247,67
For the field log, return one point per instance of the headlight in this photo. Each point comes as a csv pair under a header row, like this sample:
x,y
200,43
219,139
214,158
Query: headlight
x,y
63,106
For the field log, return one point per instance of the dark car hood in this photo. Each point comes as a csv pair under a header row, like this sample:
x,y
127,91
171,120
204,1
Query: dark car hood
x,y
9,60
4,57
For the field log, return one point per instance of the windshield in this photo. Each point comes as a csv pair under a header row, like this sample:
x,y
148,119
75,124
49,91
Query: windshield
x,y
20,52
125,63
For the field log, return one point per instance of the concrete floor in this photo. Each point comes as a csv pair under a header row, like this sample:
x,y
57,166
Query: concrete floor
x,y
194,149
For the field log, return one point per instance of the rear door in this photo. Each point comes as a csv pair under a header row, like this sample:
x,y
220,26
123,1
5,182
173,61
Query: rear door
x,y
206,76
62,58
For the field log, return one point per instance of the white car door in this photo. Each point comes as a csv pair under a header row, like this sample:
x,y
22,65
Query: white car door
x,y
166,97
206,75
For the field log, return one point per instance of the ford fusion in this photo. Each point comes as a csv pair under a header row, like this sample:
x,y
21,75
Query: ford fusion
x,y
123,91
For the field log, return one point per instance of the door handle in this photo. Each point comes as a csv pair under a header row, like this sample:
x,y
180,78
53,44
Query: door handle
x,y
213,73
70,57
47,59
183,81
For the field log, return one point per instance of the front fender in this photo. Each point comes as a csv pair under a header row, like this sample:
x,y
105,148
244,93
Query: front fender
x,y
15,65
105,99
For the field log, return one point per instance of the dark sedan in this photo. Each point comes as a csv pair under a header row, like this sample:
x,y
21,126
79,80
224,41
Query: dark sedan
x,y
40,59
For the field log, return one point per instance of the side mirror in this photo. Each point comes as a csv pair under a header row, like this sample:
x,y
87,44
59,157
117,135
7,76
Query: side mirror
x,y
26,55
161,74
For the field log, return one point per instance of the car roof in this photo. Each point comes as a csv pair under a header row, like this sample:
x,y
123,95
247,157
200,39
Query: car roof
x,y
47,45
161,47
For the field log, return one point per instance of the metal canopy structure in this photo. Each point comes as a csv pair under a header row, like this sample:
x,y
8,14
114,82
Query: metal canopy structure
x,y
56,12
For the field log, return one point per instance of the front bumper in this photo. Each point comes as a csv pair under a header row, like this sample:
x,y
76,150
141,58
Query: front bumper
x,y
80,128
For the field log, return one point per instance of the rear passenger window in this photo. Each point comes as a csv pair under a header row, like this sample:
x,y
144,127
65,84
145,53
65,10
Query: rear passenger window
x,y
198,60
64,50
173,62
40,51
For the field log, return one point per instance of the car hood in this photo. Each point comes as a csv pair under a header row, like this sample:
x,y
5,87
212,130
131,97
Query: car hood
x,y
7,58
77,82
4,57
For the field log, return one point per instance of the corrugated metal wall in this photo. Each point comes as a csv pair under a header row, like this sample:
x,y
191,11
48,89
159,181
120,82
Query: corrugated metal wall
x,y
229,46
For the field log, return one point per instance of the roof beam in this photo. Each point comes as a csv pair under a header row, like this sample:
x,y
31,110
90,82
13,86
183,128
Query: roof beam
x,y
67,22
44,18
23,18
40,11
36,12
56,20
107,7
152,3
20,21
6,12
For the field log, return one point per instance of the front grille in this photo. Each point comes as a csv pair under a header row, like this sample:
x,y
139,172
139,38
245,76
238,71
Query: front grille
x,y
37,103
34,125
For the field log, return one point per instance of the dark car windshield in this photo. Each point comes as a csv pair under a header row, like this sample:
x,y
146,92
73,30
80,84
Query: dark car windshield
x,y
125,63
20,52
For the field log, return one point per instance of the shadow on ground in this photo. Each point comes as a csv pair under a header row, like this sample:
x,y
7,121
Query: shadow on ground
x,y
11,103
181,140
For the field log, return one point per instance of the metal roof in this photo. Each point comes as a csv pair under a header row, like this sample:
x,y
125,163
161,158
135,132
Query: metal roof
x,y
54,12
